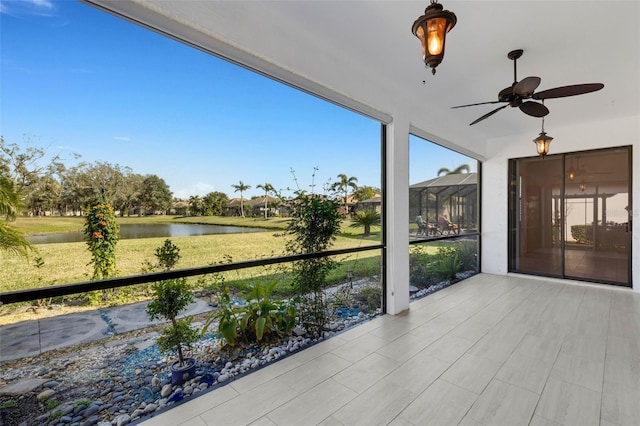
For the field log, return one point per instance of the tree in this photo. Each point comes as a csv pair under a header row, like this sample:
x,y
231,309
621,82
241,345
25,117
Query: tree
x,y
267,188
10,239
155,194
241,187
26,167
170,297
365,192
119,184
366,219
196,207
214,203
458,170
129,194
343,186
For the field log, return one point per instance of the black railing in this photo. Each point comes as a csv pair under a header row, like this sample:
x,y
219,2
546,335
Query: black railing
x,y
85,286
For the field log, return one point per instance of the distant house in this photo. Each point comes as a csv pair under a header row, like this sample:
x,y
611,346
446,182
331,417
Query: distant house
x,y
234,207
256,206
179,208
352,203
374,203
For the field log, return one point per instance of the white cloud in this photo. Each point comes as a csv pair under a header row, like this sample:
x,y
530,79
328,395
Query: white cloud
x,y
199,188
122,138
43,3
27,7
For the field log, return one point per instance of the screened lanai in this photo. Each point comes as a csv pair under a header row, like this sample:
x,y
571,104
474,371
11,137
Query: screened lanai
x,y
452,197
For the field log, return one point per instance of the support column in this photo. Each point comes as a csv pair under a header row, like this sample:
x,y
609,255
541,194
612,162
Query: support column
x,y
397,221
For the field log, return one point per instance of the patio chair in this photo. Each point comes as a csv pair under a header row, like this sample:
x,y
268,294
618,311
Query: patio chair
x,y
423,228
445,227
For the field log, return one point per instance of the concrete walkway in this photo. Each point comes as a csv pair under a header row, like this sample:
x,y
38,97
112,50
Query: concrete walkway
x,y
30,338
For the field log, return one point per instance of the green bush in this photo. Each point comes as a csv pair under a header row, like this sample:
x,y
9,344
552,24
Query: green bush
x,y
313,228
371,296
468,254
259,319
446,265
102,233
419,273
170,297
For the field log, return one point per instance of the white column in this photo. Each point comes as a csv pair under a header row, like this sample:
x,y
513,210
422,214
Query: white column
x,y
397,221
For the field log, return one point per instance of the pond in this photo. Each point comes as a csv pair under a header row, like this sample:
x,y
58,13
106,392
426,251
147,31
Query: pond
x,y
133,231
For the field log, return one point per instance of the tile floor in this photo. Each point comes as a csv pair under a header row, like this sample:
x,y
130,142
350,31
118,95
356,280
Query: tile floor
x,y
492,350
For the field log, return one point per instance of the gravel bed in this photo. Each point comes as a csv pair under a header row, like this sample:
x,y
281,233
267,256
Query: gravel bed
x,y
125,379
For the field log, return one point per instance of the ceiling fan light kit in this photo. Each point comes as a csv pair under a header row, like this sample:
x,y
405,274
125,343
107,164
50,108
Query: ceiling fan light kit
x,y
432,28
542,143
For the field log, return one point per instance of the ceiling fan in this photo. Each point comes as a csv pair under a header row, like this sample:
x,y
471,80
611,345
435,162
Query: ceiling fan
x,y
517,94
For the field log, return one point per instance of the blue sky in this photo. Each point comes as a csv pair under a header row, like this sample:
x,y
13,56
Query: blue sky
x,y
77,80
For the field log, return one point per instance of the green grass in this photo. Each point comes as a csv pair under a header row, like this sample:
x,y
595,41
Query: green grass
x,y
69,262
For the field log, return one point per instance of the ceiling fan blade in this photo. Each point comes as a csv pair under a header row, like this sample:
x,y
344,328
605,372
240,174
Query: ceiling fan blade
x,y
526,87
480,103
489,114
534,109
564,91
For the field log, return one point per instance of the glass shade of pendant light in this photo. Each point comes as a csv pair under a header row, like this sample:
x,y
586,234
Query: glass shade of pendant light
x,y
542,141
432,28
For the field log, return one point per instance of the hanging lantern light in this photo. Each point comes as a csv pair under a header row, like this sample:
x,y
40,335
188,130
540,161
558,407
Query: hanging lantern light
x,y
542,143
543,140
432,28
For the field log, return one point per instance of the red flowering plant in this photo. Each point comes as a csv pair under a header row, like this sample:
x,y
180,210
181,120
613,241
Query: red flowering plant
x,y
102,233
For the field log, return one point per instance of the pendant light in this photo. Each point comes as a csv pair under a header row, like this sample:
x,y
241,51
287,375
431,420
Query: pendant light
x,y
432,28
542,141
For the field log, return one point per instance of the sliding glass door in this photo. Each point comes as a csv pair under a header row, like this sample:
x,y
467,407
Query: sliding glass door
x,y
570,216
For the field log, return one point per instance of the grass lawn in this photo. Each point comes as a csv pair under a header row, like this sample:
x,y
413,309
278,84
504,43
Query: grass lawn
x,y
65,263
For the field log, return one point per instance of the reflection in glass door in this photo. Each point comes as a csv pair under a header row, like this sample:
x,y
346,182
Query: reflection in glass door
x,y
597,232
569,216
537,242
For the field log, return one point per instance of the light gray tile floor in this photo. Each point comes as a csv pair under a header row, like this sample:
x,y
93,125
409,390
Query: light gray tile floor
x,y
492,350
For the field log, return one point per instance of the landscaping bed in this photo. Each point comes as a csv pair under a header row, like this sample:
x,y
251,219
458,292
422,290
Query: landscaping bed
x,y
124,378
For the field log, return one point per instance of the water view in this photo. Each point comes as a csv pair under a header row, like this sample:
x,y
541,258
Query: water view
x,y
133,231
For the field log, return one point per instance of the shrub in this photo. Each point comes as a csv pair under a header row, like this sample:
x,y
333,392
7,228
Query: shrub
x,y
447,264
102,233
170,297
259,319
419,273
468,254
371,296
313,228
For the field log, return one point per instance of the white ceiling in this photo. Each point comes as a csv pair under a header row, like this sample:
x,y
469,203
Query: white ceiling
x,y
364,50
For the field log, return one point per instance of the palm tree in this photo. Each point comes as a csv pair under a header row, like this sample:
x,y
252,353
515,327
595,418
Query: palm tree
x,y
241,187
267,187
195,205
367,219
343,187
11,239
458,170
